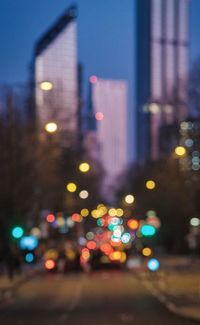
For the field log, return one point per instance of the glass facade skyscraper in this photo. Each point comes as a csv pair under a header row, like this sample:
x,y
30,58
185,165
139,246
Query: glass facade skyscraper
x,y
162,71
56,63
107,138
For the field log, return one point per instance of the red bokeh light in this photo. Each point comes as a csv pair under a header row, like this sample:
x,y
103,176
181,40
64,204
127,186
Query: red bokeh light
x,y
106,248
50,218
93,79
91,244
99,116
76,217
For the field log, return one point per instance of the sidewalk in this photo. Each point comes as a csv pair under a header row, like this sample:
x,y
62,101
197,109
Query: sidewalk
x,y
7,285
179,291
191,312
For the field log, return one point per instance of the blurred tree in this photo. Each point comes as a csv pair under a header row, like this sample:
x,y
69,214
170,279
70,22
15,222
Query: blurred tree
x,y
172,198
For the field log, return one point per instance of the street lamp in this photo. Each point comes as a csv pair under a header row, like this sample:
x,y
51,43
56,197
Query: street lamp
x,y
51,127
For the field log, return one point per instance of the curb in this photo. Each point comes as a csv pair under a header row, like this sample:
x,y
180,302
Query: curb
x,y
165,301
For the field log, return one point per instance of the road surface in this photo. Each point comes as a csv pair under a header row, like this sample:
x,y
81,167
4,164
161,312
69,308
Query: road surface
x,y
103,298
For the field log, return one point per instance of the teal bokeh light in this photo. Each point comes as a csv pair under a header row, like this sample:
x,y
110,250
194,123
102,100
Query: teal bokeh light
x,y
17,232
148,230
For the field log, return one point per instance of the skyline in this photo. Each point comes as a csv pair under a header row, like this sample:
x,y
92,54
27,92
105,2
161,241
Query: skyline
x,y
15,59
112,57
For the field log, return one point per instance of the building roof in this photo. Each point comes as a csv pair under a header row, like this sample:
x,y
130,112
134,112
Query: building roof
x,y
69,15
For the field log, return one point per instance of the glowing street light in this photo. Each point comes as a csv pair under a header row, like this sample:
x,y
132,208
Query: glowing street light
x,y
150,185
180,151
84,167
51,127
46,85
129,199
71,187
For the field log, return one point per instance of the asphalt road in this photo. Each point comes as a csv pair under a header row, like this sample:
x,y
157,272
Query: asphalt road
x,y
103,298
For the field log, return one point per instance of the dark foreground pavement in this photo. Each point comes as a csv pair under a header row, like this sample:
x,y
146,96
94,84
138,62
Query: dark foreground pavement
x,y
103,298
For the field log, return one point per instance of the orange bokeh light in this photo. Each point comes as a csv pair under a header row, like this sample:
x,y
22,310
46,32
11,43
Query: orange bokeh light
x,y
133,224
50,264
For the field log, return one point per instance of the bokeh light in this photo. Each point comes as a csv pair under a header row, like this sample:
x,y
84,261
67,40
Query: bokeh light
x,y
71,187
51,127
50,264
99,116
85,212
153,264
84,167
126,237
90,235
17,232
148,230
129,199
180,151
50,218
29,258
147,251
93,79
46,85
133,224
28,242
150,185
195,222
91,245
119,212
76,217
84,194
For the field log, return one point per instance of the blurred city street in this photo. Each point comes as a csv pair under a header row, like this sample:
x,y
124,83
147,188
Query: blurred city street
x,y
95,298
100,162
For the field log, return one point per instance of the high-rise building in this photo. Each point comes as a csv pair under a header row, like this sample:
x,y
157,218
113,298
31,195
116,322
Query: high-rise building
x,y
162,72
56,77
107,138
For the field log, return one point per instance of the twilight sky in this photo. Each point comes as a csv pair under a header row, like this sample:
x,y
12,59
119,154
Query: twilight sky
x,y
105,36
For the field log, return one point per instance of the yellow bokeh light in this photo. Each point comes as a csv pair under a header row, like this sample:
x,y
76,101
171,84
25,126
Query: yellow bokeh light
x,y
180,151
71,187
112,212
146,251
150,185
96,214
84,167
129,199
101,205
46,85
123,257
85,212
51,127
119,212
